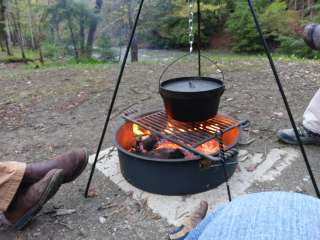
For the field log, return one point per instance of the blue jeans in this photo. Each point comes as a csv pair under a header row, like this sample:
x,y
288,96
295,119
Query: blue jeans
x,y
263,216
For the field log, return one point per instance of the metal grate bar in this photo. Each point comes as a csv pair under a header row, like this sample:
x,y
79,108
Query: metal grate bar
x,y
191,134
179,131
174,140
183,127
194,134
162,128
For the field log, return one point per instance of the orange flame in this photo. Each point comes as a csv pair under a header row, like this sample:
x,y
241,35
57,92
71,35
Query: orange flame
x,y
140,132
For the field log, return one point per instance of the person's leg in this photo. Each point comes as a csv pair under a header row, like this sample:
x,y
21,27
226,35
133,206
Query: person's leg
x,y
270,215
11,175
311,117
309,132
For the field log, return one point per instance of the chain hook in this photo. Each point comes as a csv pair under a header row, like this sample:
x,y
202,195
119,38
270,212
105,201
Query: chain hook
x,y
191,35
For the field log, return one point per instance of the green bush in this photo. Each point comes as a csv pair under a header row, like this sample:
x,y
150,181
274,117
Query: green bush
x,y
174,32
276,20
240,24
171,28
296,47
51,51
104,51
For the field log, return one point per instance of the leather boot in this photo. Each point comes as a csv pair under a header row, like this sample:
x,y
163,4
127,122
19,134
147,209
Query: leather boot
x,y
72,163
190,222
28,202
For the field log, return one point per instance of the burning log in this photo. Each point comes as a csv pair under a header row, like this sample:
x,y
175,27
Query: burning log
x,y
166,153
145,144
149,142
152,146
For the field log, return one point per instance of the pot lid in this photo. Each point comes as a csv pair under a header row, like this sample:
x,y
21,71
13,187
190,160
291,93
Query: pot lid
x,y
191,85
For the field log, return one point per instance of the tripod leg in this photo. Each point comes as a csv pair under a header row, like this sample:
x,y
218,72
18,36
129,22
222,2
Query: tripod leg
x,y
276,76
114,96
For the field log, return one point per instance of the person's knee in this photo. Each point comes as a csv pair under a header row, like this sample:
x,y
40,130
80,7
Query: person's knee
x,y
311,35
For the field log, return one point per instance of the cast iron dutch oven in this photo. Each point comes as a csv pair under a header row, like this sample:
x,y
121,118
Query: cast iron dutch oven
x,y
191,99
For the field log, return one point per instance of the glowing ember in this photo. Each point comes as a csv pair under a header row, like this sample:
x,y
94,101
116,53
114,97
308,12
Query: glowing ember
x,y
210,147
167,144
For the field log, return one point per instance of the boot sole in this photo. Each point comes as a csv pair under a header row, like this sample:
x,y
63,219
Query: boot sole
x,y
296,143
52,188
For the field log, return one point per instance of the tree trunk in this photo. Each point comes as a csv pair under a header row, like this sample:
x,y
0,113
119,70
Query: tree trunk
x,y
93,27
82,35
31,21
16,19
2,25
1,45
39,37
134,50
20,38
311,3
3,29
134,45
75,49
40,54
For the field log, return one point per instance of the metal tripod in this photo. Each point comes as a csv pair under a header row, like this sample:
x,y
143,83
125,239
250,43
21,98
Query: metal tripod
x,y
272,65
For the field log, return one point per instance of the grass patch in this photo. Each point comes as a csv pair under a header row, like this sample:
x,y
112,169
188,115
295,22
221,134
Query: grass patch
x,y
226,59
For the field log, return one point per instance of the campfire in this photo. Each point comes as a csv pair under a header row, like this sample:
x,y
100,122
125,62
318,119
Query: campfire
x,y
159,154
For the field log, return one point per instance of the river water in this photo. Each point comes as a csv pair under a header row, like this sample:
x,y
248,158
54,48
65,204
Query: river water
x,y
152,54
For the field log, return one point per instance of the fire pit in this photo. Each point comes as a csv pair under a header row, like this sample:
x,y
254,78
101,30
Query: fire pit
x,y
155,164
175,176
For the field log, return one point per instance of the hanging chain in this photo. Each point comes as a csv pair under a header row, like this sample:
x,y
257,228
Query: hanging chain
x,y
191,35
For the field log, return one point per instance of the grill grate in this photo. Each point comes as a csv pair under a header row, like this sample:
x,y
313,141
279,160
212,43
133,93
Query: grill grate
x,y
185,134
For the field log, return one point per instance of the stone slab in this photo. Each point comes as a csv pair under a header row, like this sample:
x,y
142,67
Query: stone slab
x,y
252,167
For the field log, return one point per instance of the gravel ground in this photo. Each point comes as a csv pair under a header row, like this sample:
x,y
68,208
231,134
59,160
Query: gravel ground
x,y
44,112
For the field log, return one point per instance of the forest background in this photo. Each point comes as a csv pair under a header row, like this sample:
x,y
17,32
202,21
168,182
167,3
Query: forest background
x,y
97,30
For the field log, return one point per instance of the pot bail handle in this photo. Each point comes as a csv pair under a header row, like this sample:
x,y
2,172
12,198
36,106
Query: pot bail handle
x,y
188,54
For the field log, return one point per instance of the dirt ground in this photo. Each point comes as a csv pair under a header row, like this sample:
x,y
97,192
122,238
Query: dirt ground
x,y
44,112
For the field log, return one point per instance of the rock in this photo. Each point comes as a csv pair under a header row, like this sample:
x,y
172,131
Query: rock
x,y
62,212
92,193
82,232
246,141
278,114
299,189
39,126
252,167
102,220
36,234
243,155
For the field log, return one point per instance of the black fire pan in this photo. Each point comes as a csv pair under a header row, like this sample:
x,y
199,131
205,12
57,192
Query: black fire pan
x,y
170,176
